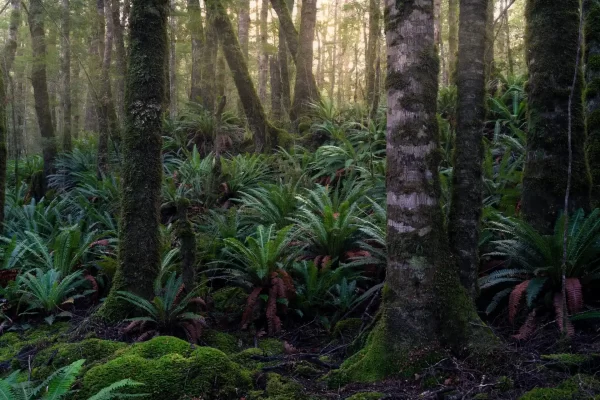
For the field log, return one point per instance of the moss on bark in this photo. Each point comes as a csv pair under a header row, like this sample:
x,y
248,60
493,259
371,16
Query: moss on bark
x,y
592,92
553,28
139,240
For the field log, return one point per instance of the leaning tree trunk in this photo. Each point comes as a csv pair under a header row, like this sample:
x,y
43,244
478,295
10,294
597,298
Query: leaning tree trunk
x,y
139,234
66,74
592,92
305,88
40,89
548,90
374,17
197,32
452,39
425,310
255,113
467,188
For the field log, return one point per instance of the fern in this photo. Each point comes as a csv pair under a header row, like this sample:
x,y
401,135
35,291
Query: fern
x,y
114,391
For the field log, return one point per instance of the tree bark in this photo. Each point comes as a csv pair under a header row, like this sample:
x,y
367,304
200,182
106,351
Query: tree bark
x,y
286,96
209,62
139,235
467,188
425,310
263,59
592,92
334,49
374,29
490,41
172,62
120,61
305,88
548,90
452,39
197,33
10,50
244,26
3,147
66,74
39,83
276,103
255,114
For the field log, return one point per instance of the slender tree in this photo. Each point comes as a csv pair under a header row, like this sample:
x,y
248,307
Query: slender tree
x,y
548,90
262,129
467,188
139,235
592,92
39,83
244,25
452,38
3,149
172,61
197,32
286,96
425,309
66,73
209,62
305,88
120,61
373,43
263,58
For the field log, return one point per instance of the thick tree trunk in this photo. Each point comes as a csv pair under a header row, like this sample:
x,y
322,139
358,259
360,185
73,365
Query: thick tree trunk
x,y
452,39
172,62
286,96
139,235
40,87
209,62
263,58
305,88
120,61
197,32
467,188
255,114
75,99
286,26
66,74
10,50
425,310
548,90
276,103
592,92
374,29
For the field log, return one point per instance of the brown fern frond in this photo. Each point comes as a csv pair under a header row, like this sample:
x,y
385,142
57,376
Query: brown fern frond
x,y
250,304
192,331
318,261
179,292
198,301
273,321
560,316
288,282
147,335
94,284
132,326
528,328
8,275
515,299
574,295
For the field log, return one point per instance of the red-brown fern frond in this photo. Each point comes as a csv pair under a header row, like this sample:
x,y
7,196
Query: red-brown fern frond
x,y
318,261
288,282
132,326
250,304
199,301
178,294
528,328
574,295
94,284
273,321
8,275
192,330
515,299
560,316
147,335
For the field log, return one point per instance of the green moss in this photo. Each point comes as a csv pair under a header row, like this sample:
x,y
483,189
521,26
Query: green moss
x,y
206,373
271,347
225,342
367,396
577,387
347,328
569,361
159,346
280,388
306,370
244,358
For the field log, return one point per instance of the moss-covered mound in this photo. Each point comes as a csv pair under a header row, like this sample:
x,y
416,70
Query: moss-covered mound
x,y
204,372
158,347
279,388
367,396
579,387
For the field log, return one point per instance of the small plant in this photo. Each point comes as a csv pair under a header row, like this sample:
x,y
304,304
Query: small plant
x,y
168,313
534,266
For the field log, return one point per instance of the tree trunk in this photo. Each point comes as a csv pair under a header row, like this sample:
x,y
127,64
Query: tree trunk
x,y
490,41
10,50
75,99
197,32
244,26
305,88
209,62
467,188
120,61
40,87
334,49
548,90
3,147
286,96
66,74
139,235
452,39
172,62
276,110
374,29
425,310
592,93
255,114
263,59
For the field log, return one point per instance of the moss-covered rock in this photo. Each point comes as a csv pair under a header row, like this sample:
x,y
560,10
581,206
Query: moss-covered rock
x,y
579,387
367,396
306,370
160,346
347,328
244,358
271,347
225,342
280,388
15,345
206,373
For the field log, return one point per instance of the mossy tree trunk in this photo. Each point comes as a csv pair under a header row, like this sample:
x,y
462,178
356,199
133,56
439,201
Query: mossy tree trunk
x,y
3,149
467,188
592,92
253,108
305,87
263,58
553,28
172,61
374,31
120,61
66,73
209,63
197,33
490,38
452,39
286,94
40,87
276,98
139,235
425,310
